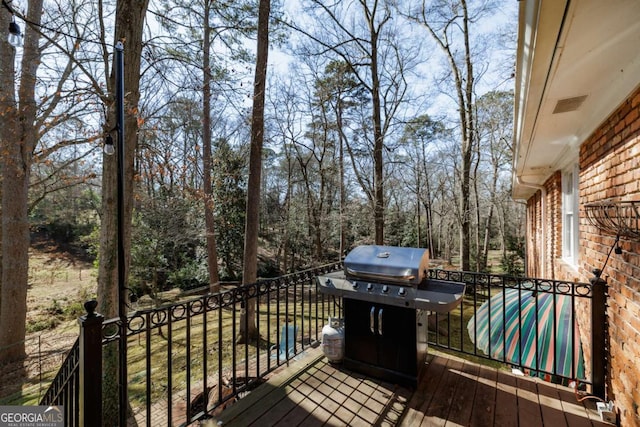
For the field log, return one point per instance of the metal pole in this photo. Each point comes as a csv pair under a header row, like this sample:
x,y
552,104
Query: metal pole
x,y
598,334
122,307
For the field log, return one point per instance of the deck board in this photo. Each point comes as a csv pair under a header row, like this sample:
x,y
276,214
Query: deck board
x,y
438,410
451,392
429,384
550,405
529,413
483,410
506,400
462,404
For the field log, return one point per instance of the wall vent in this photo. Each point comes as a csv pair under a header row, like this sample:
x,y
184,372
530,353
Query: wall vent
x,y
569,104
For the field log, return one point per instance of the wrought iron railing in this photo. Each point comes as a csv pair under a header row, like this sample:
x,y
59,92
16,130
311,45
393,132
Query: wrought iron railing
x,y
77,385
63,390
185,362
527,323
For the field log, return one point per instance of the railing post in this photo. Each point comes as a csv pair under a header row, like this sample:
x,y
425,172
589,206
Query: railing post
x,y
90,366
598,334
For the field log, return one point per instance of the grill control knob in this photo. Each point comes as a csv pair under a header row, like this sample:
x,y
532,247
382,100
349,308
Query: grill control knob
x,y
369,286
385,289
402,292
355,285
328,282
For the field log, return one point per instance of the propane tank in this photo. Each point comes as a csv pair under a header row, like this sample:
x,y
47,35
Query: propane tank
x,y
333,340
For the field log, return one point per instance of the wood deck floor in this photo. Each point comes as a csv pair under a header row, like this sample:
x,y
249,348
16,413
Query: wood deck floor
x,y
452,392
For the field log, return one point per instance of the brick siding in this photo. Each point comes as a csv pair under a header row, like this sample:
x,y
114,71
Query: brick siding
x,y
609,169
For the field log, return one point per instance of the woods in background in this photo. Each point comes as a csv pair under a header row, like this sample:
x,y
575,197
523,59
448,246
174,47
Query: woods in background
x,y
383,123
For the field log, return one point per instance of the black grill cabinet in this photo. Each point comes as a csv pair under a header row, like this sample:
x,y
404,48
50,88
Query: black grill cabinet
x,y
386,299
384,341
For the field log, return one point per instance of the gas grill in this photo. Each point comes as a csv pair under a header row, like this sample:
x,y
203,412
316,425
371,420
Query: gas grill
x,y
386,299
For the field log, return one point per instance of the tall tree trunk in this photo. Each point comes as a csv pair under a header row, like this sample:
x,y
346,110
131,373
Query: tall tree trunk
x,y
468,140
480,258
418,176
8,115
343,195
250,269
19,137
128,27
378,140
285,243
487,237
8,136
212,251
434,252
503,233
487,227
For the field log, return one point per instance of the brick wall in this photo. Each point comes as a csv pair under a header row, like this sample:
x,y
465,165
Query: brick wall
x,y
609,169
552,220
554,231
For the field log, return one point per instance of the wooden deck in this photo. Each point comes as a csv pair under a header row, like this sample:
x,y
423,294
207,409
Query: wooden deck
x,y
452,392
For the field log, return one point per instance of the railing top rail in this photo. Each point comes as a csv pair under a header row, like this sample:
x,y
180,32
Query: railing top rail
x,y
137,321
534,284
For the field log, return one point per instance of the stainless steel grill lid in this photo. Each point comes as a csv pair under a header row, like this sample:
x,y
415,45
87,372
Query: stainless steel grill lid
x,y
394,276
390,264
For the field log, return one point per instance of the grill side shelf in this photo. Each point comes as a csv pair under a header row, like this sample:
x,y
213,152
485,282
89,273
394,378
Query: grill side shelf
x,y
334,284
439,296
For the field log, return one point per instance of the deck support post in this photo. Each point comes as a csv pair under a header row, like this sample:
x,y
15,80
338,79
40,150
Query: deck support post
x,y
90,367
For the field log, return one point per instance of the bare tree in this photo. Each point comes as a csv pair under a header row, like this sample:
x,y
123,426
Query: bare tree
x,y
342,92
449,23
46,124
420,135
495,133
250,269
286,109
19,136
217,28
212,250
362,35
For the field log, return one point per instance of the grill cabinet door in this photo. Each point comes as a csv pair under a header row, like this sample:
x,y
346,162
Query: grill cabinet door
x,y
397,339
361,343
381,335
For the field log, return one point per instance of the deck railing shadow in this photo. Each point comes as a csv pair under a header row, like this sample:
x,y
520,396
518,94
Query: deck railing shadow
x,y
184,362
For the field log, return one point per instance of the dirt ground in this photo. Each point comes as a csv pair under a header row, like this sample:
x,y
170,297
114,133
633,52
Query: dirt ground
x,y
59,283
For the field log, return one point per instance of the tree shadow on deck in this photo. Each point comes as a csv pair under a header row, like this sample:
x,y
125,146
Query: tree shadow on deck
x,y
314,392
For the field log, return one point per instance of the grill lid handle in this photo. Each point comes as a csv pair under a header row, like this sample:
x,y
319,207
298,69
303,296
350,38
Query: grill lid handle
x,y
366,274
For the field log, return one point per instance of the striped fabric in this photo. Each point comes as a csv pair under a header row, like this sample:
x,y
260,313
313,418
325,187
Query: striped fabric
x,y
547,323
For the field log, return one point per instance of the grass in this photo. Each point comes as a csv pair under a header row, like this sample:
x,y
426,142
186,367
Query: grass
x,y
58,286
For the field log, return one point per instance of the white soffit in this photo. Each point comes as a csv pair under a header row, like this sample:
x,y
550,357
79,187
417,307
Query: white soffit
x,y
577,61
